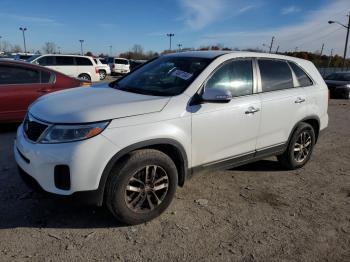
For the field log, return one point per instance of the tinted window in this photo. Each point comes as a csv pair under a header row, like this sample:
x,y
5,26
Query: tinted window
x,y
64,60
121,61
302,77
339,77
236,76
83,61
275,75
103,61
165,76
18,75
46,61
45,77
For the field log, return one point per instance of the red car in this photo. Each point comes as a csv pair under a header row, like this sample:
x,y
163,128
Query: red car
x,y
21,83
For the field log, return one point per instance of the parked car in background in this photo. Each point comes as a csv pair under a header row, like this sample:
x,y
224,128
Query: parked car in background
x,y
103,68
21,83
83,67
22,56
339,85
132,142
136,63
119,65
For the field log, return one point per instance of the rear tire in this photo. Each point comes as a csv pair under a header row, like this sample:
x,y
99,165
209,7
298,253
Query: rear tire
x,y
141,186
85,77
103,74
300,147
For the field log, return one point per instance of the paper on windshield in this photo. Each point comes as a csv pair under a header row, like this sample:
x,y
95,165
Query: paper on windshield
x,y
182,74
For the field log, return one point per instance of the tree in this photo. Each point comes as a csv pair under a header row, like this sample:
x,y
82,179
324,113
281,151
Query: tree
x,y
16,49
49,48
89,53
5,46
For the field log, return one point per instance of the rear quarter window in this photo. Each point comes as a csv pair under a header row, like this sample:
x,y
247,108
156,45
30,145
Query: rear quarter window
x,y
18,75
64,60
302,77
83,61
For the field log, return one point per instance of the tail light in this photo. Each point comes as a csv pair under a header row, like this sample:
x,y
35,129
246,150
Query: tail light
x,y
97,70
113,65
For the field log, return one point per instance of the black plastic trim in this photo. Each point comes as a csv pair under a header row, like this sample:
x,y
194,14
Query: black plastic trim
x,y
22,156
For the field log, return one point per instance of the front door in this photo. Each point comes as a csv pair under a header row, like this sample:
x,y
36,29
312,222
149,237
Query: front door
x,y
223,131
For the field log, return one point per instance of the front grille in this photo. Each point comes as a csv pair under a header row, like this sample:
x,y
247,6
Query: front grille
x,y
33,129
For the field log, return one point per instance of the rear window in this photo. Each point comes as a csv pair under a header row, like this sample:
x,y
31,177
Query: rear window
x,y
121,61
275,75
302,77
64,60
83,61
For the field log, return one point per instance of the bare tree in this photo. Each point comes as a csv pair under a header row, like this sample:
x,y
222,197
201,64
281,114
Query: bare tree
x,y
5,46
16,49
49,48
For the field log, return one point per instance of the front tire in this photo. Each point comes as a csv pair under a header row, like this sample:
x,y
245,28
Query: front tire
x,y
141,186
300,147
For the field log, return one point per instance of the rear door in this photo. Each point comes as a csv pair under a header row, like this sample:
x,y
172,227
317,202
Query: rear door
x,y
283,105
19,87
66,65
85,65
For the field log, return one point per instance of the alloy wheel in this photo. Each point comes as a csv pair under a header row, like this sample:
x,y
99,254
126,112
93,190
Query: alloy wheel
x,y
146,189
302,146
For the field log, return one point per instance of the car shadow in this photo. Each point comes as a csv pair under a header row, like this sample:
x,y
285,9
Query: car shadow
x,y
265,165
8,127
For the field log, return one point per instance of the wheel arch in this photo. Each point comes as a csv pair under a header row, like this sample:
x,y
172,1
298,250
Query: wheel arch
x,y
313,120
170,147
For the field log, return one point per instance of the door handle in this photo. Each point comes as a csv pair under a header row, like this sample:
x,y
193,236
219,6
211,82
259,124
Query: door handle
x,y
252,110
299,100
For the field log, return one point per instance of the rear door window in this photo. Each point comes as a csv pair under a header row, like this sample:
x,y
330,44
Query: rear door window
x,y
65,60
302,77
18,75
275,75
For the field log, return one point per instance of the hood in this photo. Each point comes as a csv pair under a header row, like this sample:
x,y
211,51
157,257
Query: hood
x,y
91,104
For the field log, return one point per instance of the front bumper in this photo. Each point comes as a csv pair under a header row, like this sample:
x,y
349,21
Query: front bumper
x,y
86,161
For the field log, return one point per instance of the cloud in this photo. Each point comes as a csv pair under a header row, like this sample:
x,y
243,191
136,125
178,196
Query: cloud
x,y
198,14
308,34
289,10
30,19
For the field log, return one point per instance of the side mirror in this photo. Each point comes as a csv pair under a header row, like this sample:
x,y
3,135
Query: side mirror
x,y
216,95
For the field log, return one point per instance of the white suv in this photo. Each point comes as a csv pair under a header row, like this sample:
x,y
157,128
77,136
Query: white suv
x,y
83,67
119,65
103,67
133,142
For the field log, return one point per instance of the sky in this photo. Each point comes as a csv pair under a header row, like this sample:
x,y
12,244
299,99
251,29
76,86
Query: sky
x,y
300,24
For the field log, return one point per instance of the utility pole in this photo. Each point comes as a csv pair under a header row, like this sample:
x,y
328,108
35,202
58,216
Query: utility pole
x,y
23,29
330,58
179,46
170,35
347,35
59,49
278,47
322,49
81,46
271,44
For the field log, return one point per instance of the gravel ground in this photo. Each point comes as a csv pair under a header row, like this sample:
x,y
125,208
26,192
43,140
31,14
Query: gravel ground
x,y
257,212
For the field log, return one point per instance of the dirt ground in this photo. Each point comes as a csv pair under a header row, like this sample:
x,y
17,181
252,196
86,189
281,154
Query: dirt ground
x,y
257,212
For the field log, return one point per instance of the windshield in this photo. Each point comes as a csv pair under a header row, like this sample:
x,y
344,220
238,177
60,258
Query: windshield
x,y
32,58
339,77
164,76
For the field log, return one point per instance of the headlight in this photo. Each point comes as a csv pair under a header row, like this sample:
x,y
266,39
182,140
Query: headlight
x,y
70,133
